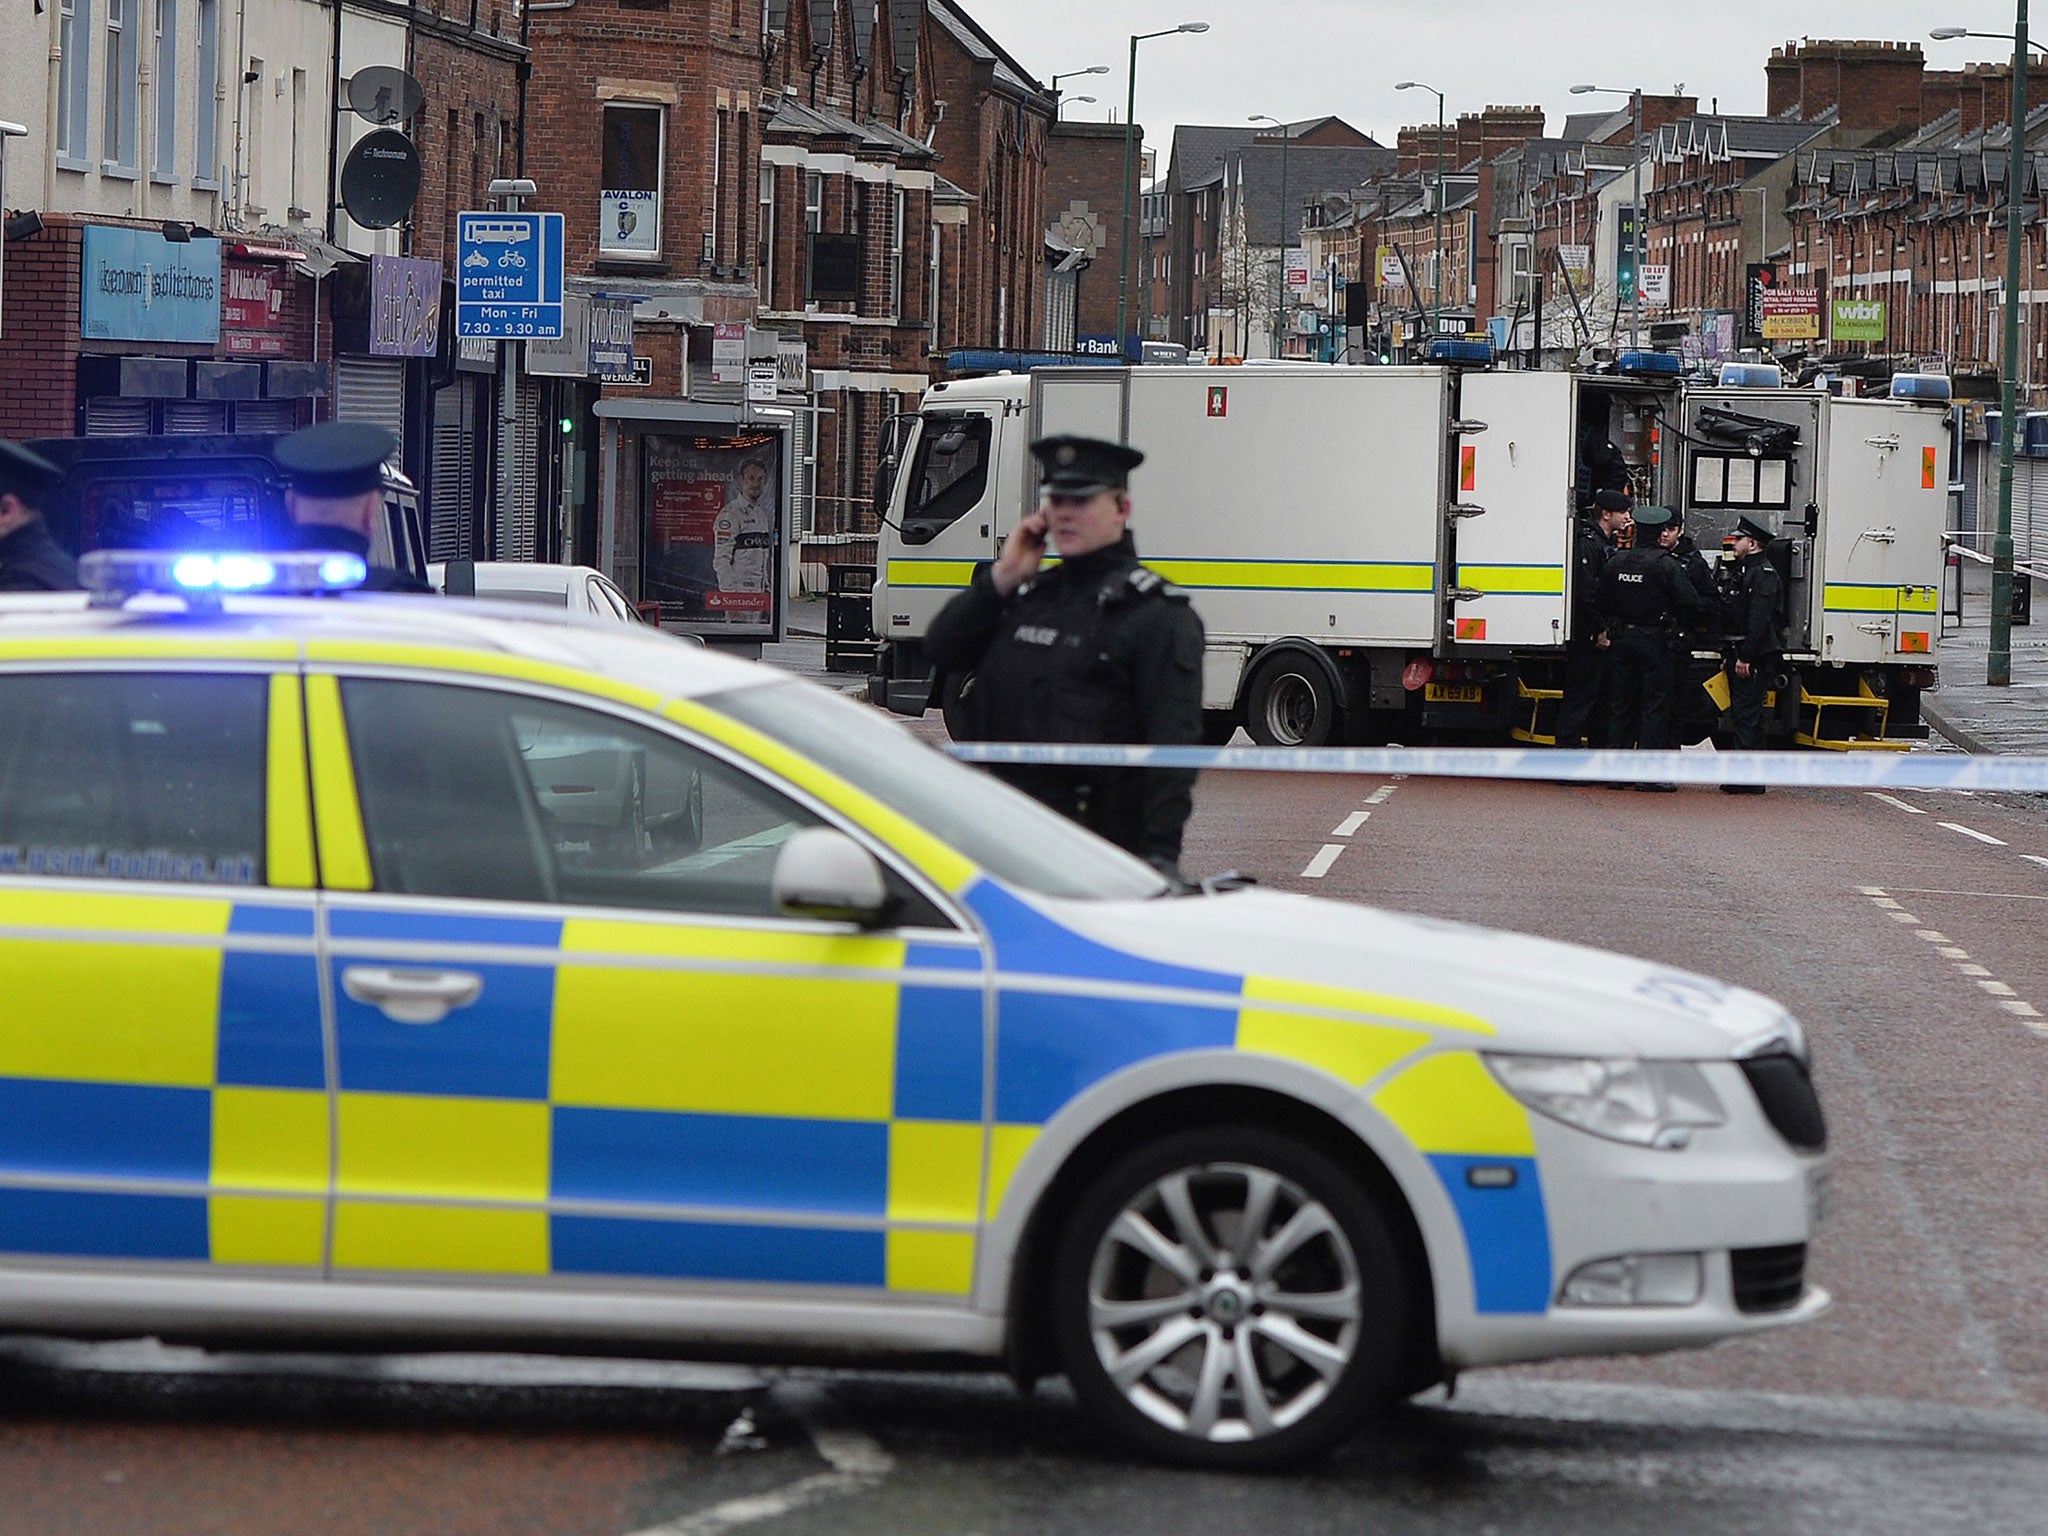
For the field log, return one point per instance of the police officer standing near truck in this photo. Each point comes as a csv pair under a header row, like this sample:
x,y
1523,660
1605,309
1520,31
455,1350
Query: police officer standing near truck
x,y
334,476
1582,713
1646,597
1750,604
31,559
1096,650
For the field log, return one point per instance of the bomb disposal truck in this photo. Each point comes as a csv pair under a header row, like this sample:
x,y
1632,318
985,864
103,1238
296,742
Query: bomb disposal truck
x,y
1385,554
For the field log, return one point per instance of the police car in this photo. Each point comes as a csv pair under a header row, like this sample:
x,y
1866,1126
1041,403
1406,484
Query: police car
x,y
328,1022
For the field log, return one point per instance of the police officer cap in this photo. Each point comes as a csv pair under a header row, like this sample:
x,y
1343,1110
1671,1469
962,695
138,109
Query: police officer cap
x,y
1652,517
25,474
335,458
1754,529
1611,501
1085,465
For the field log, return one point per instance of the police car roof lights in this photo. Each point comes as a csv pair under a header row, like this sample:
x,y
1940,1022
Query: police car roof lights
x,y
1922,386
1751,376
113,576
1664,363
1458,350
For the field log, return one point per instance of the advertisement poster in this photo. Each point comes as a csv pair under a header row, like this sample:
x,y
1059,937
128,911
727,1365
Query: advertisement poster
x,y
252,309
405,307
628,221
1858,320
1656,286
714,529
1791,314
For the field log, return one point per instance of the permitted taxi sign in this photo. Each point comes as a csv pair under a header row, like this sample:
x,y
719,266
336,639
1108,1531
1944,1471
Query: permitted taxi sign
x,y
508,275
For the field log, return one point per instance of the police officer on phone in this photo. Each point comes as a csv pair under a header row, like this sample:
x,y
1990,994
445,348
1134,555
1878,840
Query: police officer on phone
x,y
31,559
1753,641
1096,649
334,477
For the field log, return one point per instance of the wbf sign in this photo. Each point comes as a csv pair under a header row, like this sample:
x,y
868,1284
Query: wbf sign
x,y
508,275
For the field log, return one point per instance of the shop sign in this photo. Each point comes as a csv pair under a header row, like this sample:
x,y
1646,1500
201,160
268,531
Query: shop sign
x,y
611,338
1577,260
1390,267
793,358
1791,314
252,309
729,352
405,306
566,356
1858,320
1656,285
138,286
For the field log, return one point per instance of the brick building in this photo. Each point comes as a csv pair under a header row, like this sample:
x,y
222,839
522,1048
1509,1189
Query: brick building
x,y
1084,233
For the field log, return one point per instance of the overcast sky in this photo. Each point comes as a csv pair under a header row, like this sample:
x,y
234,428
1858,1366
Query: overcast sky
x,y
1298,59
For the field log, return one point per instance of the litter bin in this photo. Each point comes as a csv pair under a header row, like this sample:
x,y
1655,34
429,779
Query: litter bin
x,y
2022,598
850,642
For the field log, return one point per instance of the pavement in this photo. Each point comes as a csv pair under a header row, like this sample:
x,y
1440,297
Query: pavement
x,y
2011,720
802,653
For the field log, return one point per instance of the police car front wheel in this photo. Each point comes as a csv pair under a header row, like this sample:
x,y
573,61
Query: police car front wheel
x,y
1230,1298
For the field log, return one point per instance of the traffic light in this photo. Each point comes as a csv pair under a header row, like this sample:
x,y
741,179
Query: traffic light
x,y
1627,238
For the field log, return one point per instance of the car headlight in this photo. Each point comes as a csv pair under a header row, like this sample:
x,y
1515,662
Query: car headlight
x,y
1649,1103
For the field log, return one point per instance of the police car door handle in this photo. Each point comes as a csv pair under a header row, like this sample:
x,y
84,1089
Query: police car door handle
x,y
411,996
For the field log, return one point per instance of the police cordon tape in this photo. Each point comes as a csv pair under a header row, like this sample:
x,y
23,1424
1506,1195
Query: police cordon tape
x,y
1787,770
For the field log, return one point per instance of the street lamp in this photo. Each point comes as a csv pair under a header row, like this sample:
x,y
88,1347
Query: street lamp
x,y
1998,661
1635,288
1286,240
1060,105
1123,280
1436,319
1069,74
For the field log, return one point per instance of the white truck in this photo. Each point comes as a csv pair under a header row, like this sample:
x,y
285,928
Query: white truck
x,y
1384,554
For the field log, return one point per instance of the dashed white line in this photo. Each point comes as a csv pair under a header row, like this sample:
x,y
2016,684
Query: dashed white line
x,y
2006,997
1349,826
1904,917
2034,858
1982,837
1931,936
1319,866
1997,988
1380,795
1910,810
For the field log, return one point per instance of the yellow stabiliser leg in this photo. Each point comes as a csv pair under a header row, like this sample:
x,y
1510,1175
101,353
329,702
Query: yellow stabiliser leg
x,y
1536,698
1865,709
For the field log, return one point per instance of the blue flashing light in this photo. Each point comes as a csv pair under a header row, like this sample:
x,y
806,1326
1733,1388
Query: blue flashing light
x,y
1751,376
1457,350
1665,364
1922,386
115,575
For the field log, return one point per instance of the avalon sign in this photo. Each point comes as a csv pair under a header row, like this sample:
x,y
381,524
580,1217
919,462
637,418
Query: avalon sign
x,y
1858,320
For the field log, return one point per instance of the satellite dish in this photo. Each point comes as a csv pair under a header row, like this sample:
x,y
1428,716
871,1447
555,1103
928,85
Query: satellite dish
x,y
380,179
384,94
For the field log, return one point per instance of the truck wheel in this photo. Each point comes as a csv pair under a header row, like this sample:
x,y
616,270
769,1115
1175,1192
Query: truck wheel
x,y
1291,703
1230,1298
1218,726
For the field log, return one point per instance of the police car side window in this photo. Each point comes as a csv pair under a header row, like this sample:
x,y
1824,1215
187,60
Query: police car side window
x,y
473,792
133,776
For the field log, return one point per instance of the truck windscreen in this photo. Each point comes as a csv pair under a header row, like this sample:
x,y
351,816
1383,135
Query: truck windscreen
x,y
183,510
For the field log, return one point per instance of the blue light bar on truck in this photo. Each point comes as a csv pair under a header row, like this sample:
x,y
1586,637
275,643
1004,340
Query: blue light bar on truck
x,y
1751,376
1661,363
113,576
1922,386
1452,350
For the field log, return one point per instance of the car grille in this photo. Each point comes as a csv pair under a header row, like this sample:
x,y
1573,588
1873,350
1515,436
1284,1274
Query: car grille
x,y
1768,1279
1784,1090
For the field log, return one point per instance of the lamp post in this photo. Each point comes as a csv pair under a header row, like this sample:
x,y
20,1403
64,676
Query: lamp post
x,y
1436,291
1059,106
1286,241
1069,74
1998,661
1635,290
1123,279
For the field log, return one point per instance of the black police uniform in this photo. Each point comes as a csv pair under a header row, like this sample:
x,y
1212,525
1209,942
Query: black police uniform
x,y
31,559
340,459
1096,649
1695,626
1582,713
1749,620
1645,593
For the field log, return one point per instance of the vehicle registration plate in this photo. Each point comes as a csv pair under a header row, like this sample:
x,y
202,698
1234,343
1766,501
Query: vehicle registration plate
x,y
1453,693
1820,1200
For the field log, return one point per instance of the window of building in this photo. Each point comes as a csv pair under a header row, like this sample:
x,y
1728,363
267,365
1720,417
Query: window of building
x,y
814,202
765,239
933,316
205,159
298,201
117,142
74,35
899,207
630,181
163,157
714,250
156,776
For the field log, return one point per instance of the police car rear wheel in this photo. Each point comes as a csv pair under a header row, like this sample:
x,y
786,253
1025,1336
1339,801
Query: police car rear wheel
x,y
1290,703
1229,1298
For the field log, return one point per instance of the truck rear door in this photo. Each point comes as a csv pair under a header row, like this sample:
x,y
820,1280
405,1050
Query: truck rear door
x,y
1880,530
1510,534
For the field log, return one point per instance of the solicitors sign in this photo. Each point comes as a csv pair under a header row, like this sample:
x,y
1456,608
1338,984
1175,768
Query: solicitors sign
x,y
138,286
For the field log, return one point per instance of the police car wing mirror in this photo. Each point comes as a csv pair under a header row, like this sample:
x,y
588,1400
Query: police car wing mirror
x,y
826,875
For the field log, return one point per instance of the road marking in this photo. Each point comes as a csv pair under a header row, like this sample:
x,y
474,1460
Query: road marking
x,y
2024,1010
1380,795
2034,858
1319,866
1910,810
1904,917
1997,988
1982,837
1954,954
1932,937
858,1464
2008,999
1349,826
1973,969
1885,902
